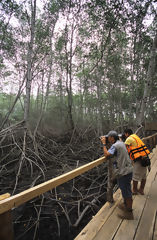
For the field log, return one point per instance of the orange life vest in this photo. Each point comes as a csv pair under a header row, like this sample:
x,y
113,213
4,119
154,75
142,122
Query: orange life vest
x,y
140,151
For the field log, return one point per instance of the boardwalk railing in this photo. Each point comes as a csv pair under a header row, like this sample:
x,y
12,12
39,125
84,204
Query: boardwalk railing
x,y
7,202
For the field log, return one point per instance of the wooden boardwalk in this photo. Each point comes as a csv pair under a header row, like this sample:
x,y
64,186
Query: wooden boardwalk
x,y
106,225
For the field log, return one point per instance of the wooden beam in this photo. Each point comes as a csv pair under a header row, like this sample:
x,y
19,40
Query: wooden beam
x,y
145,231
33,192
151,126
149,137
6,224
4,196
150,140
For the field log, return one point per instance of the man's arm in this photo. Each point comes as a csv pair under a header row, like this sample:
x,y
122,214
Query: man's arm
x,y
109,152
128,143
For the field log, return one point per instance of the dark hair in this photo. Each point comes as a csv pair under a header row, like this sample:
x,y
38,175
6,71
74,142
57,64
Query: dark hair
x,y
116,138
113,134
129,131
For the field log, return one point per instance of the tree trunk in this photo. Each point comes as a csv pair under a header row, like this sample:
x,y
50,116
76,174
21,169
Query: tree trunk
x,y
29,64
69,56
148,83
99,115
13,105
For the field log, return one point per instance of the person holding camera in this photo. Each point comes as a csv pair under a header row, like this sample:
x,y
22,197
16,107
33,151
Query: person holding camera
x,y
138,152
122,170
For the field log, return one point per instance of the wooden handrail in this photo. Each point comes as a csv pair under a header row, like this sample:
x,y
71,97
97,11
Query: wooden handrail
x,y
4,196
149,137
35,191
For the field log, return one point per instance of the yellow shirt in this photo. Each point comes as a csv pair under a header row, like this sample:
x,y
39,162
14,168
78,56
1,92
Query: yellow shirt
x,y
131,142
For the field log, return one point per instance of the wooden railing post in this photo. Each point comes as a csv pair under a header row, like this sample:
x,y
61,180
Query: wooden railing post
x,y
6,225
110,182
154,141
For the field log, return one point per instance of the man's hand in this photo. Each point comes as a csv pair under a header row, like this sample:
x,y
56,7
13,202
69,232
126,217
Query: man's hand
x,y
103,139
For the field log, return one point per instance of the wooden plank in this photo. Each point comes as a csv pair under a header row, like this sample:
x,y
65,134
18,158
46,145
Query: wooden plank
x,y
152,156
149,137
6,226
151,126
92,228
155,228
128,228
151,231
4,196
33,192
111,226
150,141
144,230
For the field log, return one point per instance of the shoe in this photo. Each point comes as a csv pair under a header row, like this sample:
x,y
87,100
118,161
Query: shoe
x,y
141,191
128,215
122,206
134,192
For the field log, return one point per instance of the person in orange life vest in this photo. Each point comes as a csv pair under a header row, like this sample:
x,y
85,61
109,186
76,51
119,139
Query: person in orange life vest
x,y
137,150
122,168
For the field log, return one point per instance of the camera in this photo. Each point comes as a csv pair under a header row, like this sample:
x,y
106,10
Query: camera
x,y
105,137
121,137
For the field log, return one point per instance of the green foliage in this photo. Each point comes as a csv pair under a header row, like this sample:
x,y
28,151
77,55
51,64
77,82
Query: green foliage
x,y
7,40
54,6
42,31
60,43
84,32
9,6
6,101
2,65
